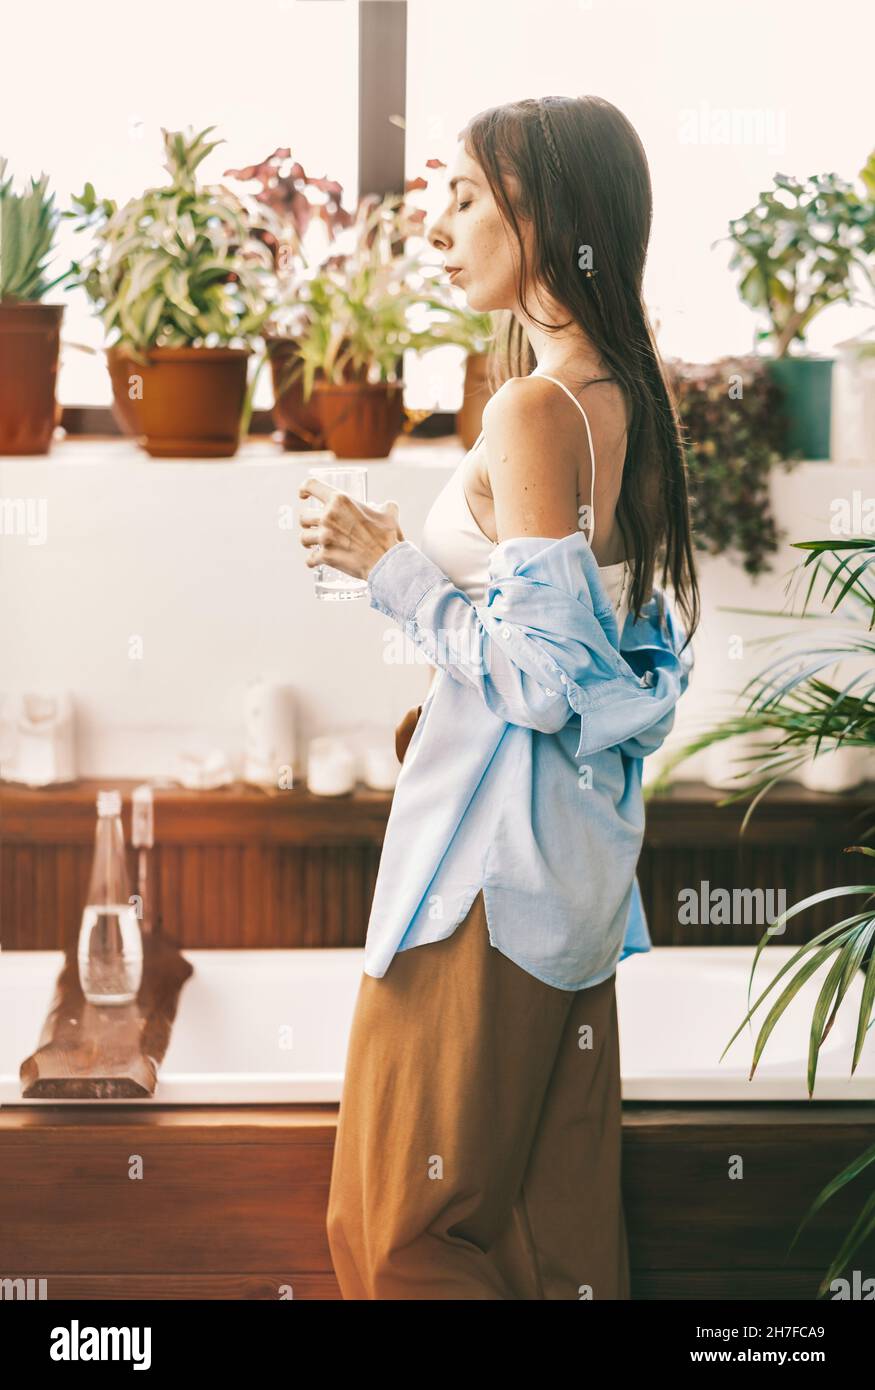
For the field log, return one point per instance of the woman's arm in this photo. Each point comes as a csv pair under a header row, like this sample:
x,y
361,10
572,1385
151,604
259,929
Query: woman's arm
x,y
534,487
534,650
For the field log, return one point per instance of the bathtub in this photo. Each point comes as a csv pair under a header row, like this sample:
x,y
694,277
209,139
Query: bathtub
x,y
271,1027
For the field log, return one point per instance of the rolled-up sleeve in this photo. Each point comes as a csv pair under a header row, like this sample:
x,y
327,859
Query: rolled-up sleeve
x,y
512,672
534,651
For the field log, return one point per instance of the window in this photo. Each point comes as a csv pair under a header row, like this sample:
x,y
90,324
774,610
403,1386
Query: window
x,y
683,72
286,72
87,100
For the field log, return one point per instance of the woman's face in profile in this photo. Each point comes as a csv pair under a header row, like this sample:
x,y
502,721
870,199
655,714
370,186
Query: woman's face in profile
x,y
471,234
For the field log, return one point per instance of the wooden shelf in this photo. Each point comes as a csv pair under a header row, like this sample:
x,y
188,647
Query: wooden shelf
x,y
240,867
40,815
687,812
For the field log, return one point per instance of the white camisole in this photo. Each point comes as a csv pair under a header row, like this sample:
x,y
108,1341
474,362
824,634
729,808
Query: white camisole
x,y
453,540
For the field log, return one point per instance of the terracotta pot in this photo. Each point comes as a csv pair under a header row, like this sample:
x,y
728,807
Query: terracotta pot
x,y
184,402
30,337
360,420
297,418
469,420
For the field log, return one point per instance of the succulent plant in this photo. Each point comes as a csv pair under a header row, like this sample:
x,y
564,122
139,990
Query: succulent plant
x,y
28,222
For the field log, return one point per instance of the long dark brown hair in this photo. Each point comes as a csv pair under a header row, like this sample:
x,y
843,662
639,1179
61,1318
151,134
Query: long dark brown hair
x,y
584,184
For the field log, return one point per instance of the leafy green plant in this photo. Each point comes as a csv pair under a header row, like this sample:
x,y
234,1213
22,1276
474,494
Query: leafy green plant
x,y
28,223
364,308
730,411
351,299
178,266
801,714
801,247
789,699
849,940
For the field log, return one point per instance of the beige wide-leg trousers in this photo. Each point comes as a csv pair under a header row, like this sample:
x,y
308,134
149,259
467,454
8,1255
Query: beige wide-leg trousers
x,y
478,1150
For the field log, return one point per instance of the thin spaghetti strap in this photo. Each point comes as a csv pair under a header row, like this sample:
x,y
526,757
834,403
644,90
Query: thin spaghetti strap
x,y
591,449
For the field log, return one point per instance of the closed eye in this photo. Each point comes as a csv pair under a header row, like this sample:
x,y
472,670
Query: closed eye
x,y
462,206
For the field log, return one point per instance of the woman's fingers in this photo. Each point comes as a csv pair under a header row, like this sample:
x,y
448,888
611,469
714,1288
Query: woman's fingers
x,y
347,534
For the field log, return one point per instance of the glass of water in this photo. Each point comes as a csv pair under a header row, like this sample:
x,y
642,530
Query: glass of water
x,y
331,583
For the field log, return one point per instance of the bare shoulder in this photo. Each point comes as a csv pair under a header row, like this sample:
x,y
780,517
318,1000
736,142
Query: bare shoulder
x,y
520,400
531,460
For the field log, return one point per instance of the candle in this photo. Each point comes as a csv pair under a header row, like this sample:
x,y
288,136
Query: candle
x,y
331,767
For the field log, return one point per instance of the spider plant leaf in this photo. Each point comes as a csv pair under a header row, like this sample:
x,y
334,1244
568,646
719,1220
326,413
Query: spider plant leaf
x,y
152,319
858,1234
857,1166
837,982
790,991
775,928
829,936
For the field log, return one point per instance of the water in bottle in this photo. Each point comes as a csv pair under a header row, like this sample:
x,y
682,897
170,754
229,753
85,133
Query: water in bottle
x,y
110,952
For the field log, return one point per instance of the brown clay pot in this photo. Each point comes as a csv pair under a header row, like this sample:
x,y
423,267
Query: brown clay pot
x,y
184,402
30,337
469,419
298,419
360,420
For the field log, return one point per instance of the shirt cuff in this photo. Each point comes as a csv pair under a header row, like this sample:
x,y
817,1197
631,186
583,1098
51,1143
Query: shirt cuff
x,y
400,580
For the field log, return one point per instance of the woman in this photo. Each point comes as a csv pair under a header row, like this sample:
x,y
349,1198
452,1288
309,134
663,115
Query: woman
x,y
479,1138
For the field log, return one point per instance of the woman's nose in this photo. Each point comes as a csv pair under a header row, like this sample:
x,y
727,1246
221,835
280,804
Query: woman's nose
x,y
436,237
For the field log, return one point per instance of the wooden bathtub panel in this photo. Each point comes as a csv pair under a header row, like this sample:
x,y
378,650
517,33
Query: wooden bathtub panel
x,y
685,1213
174,1287
231,1193
215,1196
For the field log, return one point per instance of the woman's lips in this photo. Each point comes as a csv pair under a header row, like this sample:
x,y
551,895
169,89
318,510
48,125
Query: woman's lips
x,y
452,271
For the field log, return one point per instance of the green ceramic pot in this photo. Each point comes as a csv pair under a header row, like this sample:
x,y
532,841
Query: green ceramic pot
x,y
806,386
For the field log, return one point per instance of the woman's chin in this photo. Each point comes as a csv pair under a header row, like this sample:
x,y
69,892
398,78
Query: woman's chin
x,y
479,303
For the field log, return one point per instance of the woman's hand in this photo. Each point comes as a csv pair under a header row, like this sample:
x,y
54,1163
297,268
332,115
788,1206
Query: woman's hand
x,y
350,535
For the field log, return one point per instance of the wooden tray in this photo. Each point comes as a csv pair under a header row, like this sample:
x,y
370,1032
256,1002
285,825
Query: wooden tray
x,y
111,1052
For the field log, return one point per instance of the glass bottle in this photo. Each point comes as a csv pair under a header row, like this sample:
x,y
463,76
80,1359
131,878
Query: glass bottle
x,y
110,948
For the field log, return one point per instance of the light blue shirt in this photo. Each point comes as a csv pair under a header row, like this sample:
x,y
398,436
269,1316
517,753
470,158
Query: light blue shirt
x,y
524,773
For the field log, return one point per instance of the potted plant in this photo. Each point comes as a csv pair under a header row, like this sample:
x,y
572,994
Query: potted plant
x,y
30,331
305,210
361,310
800,248
181,281
800,714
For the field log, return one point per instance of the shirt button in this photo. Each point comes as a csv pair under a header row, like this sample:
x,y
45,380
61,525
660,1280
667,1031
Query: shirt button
x,y
505,632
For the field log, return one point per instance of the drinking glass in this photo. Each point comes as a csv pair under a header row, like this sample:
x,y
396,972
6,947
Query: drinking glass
x,y
331,583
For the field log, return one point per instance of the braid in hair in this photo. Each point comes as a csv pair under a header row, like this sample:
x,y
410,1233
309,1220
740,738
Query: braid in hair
x,y
549,139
